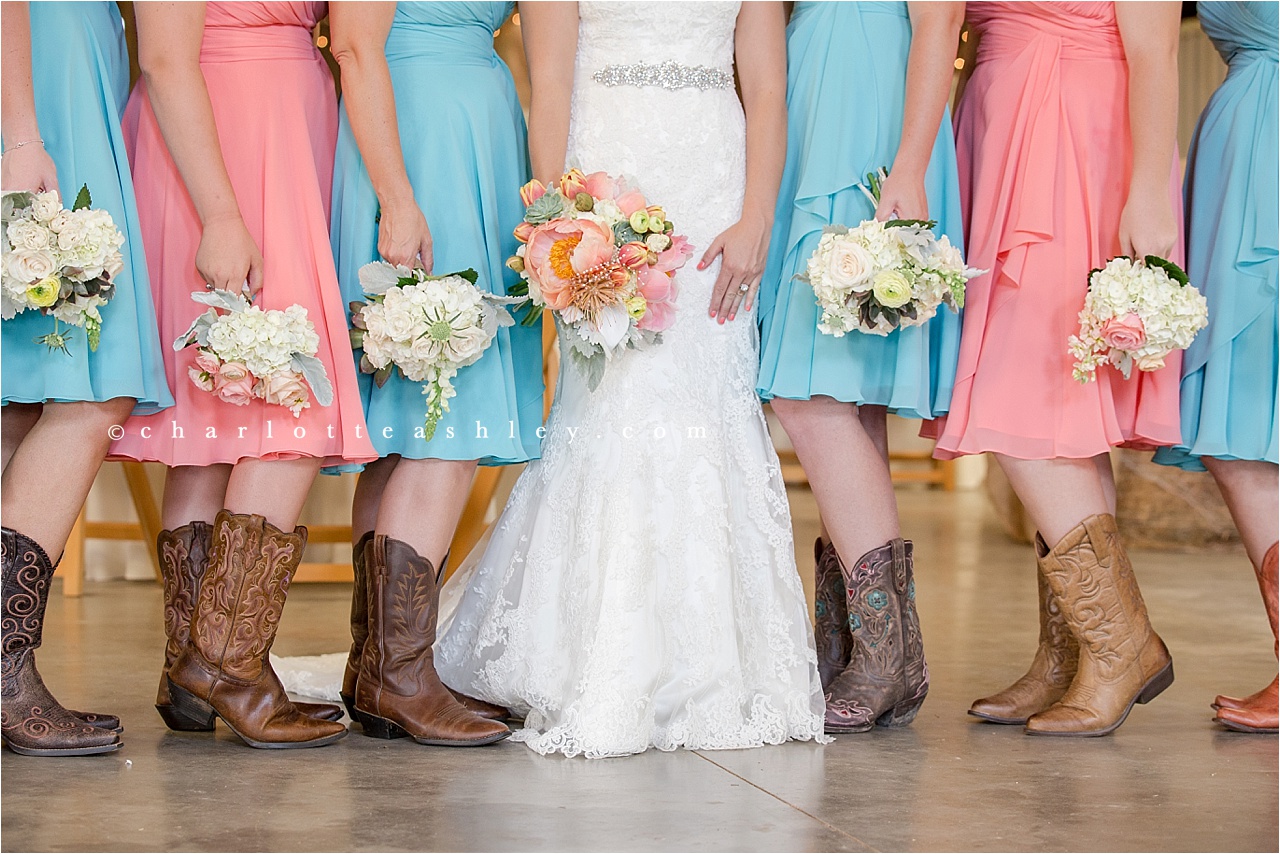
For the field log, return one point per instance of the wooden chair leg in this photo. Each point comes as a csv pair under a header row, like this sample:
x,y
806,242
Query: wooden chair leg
x,y
71,567
144,503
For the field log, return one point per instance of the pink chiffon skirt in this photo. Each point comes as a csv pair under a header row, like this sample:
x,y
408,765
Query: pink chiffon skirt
x,y
1042,139
276,112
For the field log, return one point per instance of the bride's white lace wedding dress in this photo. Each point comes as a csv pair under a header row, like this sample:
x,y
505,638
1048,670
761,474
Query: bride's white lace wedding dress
x,y
640,587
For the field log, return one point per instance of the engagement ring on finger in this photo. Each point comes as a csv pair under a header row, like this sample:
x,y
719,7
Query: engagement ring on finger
x,y
743,288
208,286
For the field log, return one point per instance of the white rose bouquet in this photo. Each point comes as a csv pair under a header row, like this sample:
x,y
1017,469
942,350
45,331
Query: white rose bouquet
x,y
428,327
245,353
1136,313
59,262
879,276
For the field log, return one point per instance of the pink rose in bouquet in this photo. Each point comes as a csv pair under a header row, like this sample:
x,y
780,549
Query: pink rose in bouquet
x,y
1124,333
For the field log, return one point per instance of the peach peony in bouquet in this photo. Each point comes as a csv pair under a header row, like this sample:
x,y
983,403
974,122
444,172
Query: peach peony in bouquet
x,y
603,259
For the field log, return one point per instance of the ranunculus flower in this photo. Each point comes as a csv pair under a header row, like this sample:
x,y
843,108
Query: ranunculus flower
x,y
639,222
572,183
633,254
287,389
44,293
532,191
849,265
657,218
658,241
238,392
560,250
1125,333
524,230
891,288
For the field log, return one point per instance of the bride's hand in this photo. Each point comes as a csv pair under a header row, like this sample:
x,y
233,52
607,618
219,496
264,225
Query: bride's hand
x,y
743,248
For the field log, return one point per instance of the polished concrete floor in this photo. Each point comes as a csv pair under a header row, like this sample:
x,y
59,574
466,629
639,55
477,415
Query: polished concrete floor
x,y
1168,780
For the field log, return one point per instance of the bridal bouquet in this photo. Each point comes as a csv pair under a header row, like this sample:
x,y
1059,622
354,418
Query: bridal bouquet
x,y
243,353
879,276
59,262
603,259
429,327
1135,314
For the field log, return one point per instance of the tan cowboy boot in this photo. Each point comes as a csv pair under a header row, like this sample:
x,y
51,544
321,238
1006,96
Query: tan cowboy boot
x,y
1052,668
1122,659
399,693
32,722
359,625
225,670
1258,712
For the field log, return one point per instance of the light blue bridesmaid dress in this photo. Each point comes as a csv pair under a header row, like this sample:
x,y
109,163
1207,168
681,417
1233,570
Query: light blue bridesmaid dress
x,y
846,87
463,137
80,74
1229,390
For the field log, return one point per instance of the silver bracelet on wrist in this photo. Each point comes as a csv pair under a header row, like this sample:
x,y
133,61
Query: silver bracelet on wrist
x,y
18,145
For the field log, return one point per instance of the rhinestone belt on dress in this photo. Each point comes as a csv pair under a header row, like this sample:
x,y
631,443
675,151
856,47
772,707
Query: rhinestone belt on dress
x,y
668,75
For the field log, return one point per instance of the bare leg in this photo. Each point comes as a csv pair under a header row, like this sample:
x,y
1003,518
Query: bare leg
x,y
1058,494
16,419
848,475
193,494
49,474
1250,490
274,489
367,501
423,502
1107,476
875,421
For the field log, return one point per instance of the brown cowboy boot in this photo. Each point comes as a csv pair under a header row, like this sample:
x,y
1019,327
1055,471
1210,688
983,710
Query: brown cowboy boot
x,y
1122,659
1258,712
831,613
224,670
31,721
1052,668
399,692
359,625
184,557
886,679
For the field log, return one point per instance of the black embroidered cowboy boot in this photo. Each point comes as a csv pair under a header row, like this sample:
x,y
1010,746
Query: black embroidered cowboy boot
x,y
32,722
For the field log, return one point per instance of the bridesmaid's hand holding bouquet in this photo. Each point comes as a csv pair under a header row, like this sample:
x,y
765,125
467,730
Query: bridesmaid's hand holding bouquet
x,y
1135,314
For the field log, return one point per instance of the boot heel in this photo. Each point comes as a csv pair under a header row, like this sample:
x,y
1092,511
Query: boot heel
x,y
1158,683
352,712
376,727
180,721
191,708
900,715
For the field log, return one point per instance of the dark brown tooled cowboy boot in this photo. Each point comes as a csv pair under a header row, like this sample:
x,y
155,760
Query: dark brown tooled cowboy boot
x,y
399,692
887,679
831,613
359,625
1052,668
1122,659
224,670
31,720
1258,712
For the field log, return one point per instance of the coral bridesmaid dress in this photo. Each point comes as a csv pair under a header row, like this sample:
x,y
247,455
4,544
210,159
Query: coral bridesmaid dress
x,y
276,113
1043,142
80,76
1230,396
463,138
846,89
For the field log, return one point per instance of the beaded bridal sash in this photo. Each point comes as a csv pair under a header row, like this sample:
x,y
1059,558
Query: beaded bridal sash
x,y
667,75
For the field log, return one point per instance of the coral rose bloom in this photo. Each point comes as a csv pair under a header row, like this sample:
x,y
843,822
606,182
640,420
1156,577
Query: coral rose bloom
x,y
560,250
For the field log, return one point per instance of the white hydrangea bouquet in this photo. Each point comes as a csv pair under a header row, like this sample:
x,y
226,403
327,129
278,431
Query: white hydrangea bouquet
x,y
243,353
429,327
1135,314
879,276
59,262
